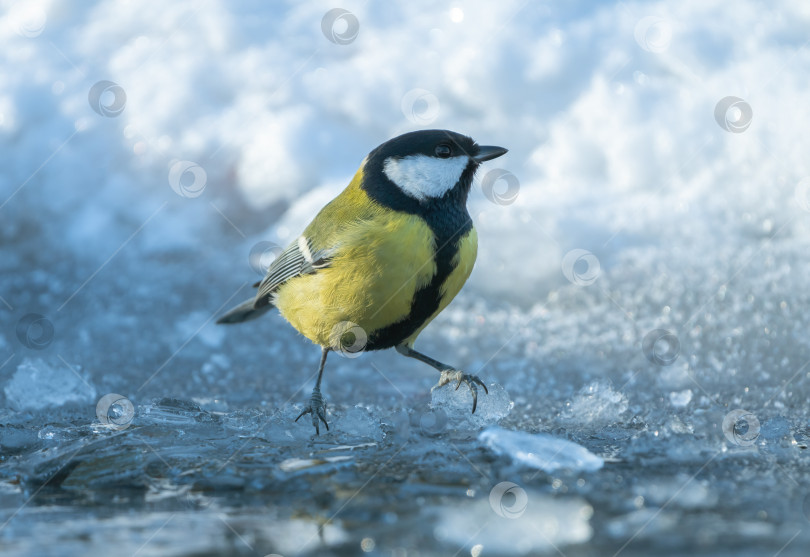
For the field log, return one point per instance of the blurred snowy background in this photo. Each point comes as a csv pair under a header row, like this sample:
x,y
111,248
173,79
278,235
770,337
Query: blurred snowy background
x,y
637,309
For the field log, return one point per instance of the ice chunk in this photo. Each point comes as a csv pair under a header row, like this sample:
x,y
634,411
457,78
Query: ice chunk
x,y
37,385
399,423
677,425
357,422
679,399
512,521
596,404
452,407
175,411
540,450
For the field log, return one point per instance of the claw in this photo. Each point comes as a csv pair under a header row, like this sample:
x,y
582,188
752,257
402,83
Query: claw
x,y
317,408
449,375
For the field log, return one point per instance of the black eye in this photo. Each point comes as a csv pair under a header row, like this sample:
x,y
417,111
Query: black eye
x,y
443,151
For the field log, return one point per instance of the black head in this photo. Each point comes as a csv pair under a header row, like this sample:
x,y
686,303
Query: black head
x,y
425,166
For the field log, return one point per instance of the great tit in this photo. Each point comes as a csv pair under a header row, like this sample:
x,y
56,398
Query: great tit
x,y
383,258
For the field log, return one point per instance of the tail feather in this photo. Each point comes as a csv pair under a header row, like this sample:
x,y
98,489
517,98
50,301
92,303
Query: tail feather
x,y
244,312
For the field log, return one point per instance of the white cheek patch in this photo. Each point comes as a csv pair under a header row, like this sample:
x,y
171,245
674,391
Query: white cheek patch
x,y
423,177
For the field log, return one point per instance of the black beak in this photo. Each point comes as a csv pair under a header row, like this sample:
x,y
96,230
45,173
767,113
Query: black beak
x,y
488,152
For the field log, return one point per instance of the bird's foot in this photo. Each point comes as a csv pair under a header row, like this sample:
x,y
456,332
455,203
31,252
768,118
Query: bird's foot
x,y
317,407
459,377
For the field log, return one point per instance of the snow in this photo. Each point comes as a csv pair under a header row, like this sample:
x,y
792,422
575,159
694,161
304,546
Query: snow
x,y
640,291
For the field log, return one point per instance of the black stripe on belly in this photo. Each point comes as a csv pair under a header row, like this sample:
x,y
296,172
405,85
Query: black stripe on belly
x,y
447,218
426,300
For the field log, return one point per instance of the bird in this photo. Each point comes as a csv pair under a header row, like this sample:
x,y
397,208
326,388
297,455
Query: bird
x,y
381,260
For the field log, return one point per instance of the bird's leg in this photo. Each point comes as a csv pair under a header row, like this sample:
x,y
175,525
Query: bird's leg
x,y
448,373
317,407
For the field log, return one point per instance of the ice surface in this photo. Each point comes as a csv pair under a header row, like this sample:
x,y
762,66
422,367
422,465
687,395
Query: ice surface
x,y
39,385
540,451
515,523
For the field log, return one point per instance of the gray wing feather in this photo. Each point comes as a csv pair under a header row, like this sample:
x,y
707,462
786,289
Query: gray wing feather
x,y
298,259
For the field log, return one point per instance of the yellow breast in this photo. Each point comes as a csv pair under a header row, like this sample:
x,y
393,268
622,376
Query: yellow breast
x,y
382,259
371,282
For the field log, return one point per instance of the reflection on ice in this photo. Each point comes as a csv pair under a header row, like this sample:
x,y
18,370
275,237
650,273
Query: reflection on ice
x,y
516,523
